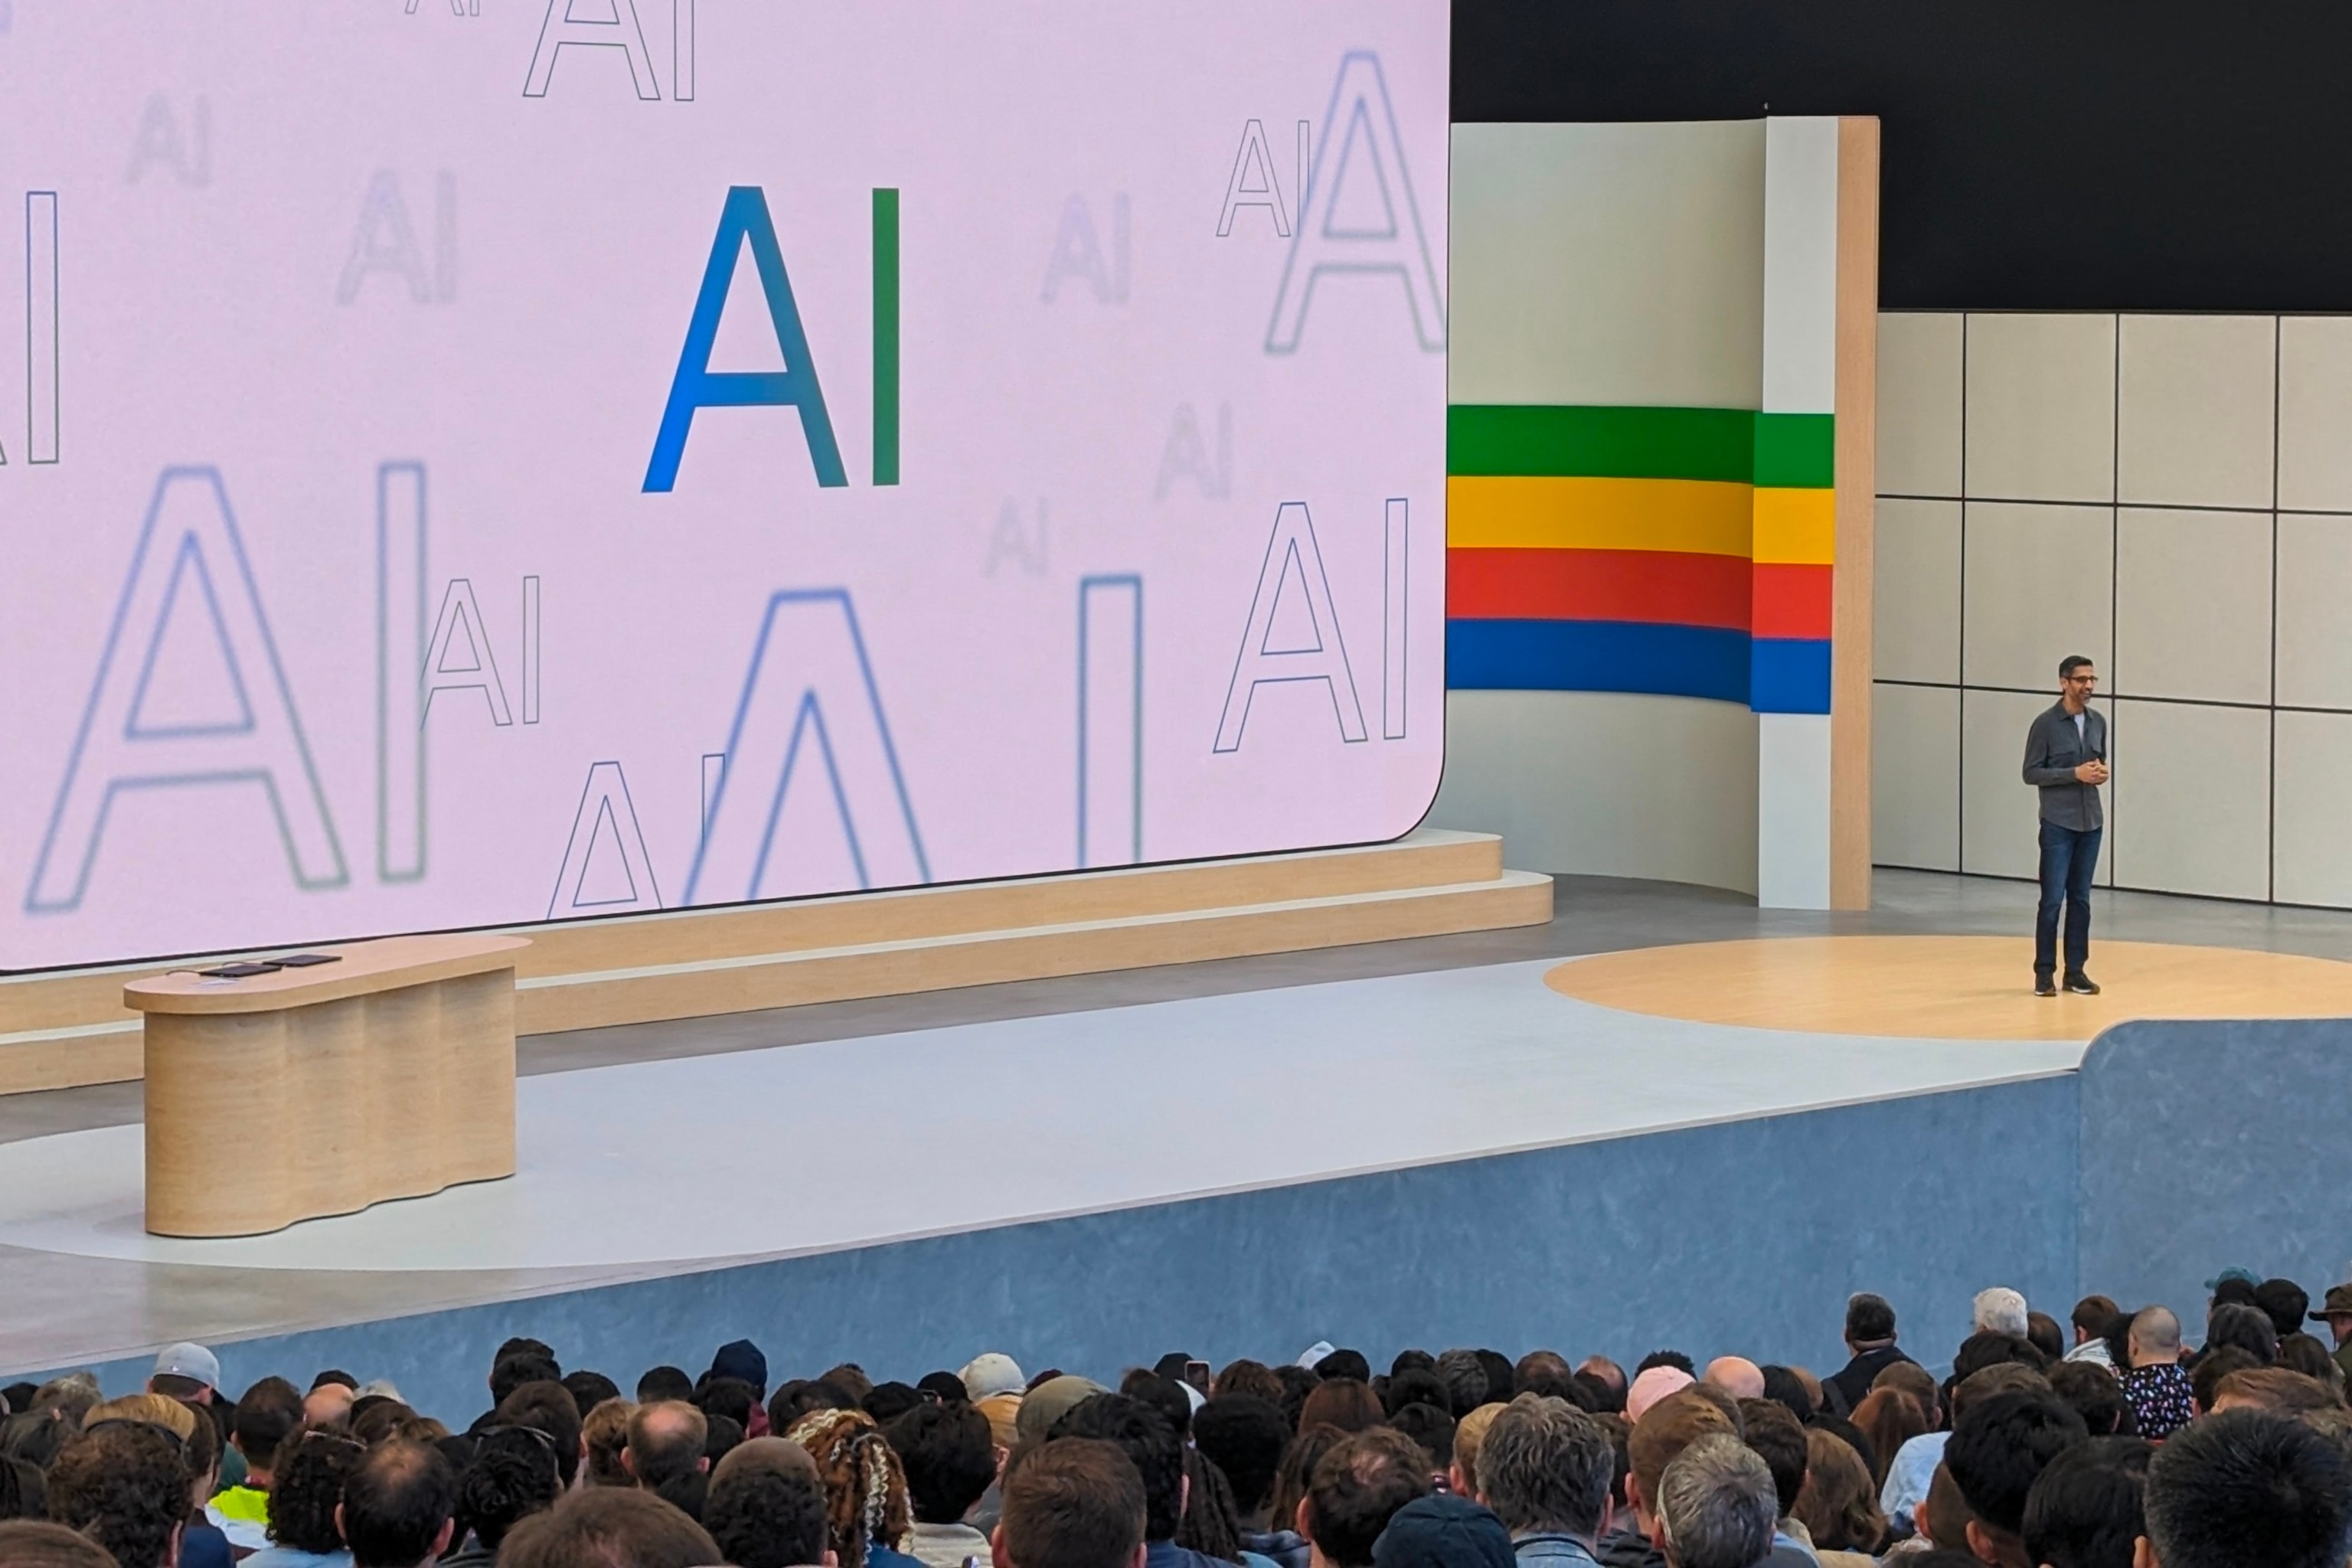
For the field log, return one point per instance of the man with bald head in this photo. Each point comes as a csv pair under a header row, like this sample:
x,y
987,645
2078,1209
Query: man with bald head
x,y
666,1443
1735,1375
327,1404
2157,1390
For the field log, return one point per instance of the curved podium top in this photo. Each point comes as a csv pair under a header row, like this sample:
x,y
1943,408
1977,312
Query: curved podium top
x,y
361,968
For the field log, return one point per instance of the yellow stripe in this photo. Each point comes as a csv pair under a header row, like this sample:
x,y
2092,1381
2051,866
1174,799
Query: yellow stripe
x,y
1698,517
1796,528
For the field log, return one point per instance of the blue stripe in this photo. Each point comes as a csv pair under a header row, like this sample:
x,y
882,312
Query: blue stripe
x,y
1792,675
1597,656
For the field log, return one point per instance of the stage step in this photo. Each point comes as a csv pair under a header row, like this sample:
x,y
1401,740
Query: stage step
x,y
57,1030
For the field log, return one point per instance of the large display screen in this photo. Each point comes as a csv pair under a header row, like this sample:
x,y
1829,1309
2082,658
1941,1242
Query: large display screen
x,y
480,461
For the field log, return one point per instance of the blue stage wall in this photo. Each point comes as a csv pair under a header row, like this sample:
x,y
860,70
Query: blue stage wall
x,y
1743,1236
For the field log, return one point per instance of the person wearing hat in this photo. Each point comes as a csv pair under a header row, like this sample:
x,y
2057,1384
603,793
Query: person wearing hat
x,y
2335,1311
742,1359
991,1373
187,1372
1442,1531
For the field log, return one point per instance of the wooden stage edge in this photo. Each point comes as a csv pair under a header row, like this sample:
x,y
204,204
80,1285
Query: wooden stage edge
x,y
67,1028
1948,987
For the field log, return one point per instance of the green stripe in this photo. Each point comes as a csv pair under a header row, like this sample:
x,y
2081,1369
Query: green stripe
x,y
1602,443
886,337
1735,445
1796,450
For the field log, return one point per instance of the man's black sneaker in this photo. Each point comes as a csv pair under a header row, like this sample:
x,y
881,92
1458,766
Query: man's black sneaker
x,y
2081,985
2044,986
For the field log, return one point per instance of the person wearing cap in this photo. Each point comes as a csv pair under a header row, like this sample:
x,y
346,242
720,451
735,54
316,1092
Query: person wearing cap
x,y
1442,1531
187,1372
742,1359
2335,1311
991,1373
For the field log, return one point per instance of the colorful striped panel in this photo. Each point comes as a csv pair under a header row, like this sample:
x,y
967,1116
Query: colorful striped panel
x,y
1597,656
1796,451
1602,442
1795,527
1706,517
1790,675
1654,586
1787,601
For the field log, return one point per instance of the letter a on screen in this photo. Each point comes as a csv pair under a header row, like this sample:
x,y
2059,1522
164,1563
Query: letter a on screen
x,y
697,385
189,692
1293,564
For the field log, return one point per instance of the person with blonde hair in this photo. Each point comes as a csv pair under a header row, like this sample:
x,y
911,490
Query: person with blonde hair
x,y
866,1513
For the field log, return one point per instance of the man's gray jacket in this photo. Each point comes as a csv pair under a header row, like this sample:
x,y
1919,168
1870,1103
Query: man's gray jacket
x,y
2052,752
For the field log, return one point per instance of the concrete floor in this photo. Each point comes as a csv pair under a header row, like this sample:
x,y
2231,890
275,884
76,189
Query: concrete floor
x,y
66,1310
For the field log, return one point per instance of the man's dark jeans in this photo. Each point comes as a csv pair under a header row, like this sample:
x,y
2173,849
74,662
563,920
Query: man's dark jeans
x,y
2069,857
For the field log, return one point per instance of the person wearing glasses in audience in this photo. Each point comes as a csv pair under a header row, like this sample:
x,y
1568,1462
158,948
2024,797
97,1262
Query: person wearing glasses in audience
x,y
2066,759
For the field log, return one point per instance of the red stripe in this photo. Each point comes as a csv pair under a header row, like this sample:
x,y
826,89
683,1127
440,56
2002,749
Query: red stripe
x,y
1664,586
1792,601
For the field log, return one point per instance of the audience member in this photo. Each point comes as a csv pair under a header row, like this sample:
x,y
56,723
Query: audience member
x,y
1440,1531
1777,1439
2000,1310
1357,1487
864,1486
1346,1403
1716,1507
1786,1387
1838,1504
399,1506
306,1489
1245,1434
1735,1375
2245,1327
1889,1418
1076,1502
948,1455
1997,1449
665,1442
1661,1433
1544,1467
2335,1311
766,1506
1870,1344
2274,1389
121,1484
1469,1437
270,1411
38,1544
2214,1367
663,1382
2284,1303
603,1435
609,1527
2247,1488
2093,1316
511,1476
187,1372
2084,1511
2159,1393
2096,1397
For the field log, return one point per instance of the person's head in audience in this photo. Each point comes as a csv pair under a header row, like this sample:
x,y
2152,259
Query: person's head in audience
x,y
1253,1378
2245,1488
1660,1434
1869,1322
398,1506
1544,1466
2301,1352
886,1402
38,1544
1414,1386
269,1413
1652,1385
1356,1489
522,1366
1943,1517
2284,1303
1464,1380
186,1372
546,1408
1837,1503
513,1476
1149,1442
2274,1389
766,1505
1888,1418
608,1527
665,1442
1244,1435
1469,1440
665,1383
1783,1387
2084,1511
589,1389
1779,1442
1342,1402
2244,1328
329,1404
864,1486
2090,1318
804,1396
1074,1502
1986,1347
1345,1363
945,1387
950,1458
2043,1332
603,1434
2214,1368
1735,1375
1998,1311
2000,1445
743,1361
1443,1532
1716,1507
2096,1397
124,1484
1918,1383
2154,1338
1432,1429
307,1488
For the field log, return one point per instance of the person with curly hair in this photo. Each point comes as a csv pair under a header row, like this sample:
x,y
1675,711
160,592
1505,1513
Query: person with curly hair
x,y
123,1484
513,1476
866,1514
306,1487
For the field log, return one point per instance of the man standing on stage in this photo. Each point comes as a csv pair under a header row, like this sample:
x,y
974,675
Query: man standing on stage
x,y
2066,759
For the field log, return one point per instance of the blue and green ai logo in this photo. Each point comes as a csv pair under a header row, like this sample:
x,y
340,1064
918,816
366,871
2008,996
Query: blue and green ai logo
x,y
744,220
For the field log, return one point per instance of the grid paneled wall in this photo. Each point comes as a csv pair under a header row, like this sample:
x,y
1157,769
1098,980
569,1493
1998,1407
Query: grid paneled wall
x,y
2170,494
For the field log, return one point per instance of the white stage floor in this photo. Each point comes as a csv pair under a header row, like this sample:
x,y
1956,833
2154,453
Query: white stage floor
x,y
811,1148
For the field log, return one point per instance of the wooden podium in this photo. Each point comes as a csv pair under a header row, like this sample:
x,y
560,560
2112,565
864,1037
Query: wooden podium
x,y
280,1097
